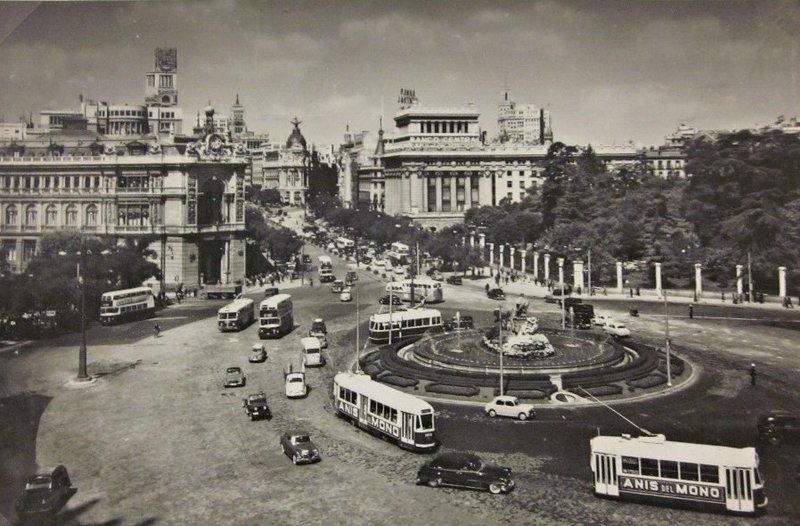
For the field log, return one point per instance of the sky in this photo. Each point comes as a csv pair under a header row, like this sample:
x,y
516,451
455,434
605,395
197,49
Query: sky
x,y
609,71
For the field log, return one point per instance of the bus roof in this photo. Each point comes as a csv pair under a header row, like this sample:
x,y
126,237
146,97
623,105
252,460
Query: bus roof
x,y
236,304
421,281
274,301
379,392
409,314
659,447
326,259
135,290
310,342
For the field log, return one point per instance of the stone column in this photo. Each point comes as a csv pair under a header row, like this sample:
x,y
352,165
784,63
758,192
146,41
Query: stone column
x,y
502,249
491,253
560,262
546,268
535,264
739,280
577,275
522,254
698,280
658,278
472,240
619,278
481,241
467,192
782,282
511,251
438,194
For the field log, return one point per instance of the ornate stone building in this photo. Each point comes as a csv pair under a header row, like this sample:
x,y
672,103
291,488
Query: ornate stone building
x,y
287,168
186,200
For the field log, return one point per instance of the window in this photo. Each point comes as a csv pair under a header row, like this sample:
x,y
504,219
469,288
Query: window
x,y
649,467
51,215
10,249
72,215
709,473
510,184
91,215
31,215
165,81
669,469
11,215
630,465
28,249
689,471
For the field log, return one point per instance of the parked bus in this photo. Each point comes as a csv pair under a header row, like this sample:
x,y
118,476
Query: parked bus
x,y
275,316
386,412
403,323
652,468
424,289
126,305
325,269
236,315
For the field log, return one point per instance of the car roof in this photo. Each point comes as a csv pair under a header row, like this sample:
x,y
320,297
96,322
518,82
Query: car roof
x,y
296,432
506,397
234,369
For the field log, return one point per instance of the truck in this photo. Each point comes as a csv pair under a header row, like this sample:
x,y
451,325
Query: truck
x,y
222,290
582,315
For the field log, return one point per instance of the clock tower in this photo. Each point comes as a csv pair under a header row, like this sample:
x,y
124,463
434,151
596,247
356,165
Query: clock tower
x,y
161,86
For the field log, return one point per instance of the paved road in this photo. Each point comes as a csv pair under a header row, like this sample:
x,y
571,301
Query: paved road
x,y
158,440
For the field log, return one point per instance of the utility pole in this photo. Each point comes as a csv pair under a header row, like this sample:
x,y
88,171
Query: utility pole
x,y
666,343
500,340
589,264
749,279
391,300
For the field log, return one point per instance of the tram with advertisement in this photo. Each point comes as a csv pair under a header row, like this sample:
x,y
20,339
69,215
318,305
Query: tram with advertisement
x,y
425,289
125,305
275,316
236,315
402,324
654,469
385,412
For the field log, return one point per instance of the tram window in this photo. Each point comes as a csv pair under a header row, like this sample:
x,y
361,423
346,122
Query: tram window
x,y
669,469
709,473
630,465
650,467
425,421
757,474
689,471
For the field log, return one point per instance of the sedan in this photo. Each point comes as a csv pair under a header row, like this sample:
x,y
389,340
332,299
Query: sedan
x,y
395,300
617,329
45,492
509,406
234,377
297,445
258,354
454,280
496,294
465,470
600,319
346,295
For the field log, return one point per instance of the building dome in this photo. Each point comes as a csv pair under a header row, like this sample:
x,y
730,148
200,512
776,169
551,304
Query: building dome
x,y
296,139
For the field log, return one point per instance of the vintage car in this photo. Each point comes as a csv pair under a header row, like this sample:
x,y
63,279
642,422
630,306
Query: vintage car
x,y
256,407
294,376
465,470
258,353
297,445
394,299
454,280
320,331
234,377
616,329
45,493
509,406
351,277
337,287
346,295
271,291
496,294
776,427
459,322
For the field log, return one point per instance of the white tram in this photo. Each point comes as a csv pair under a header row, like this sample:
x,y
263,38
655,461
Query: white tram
x,y
652,468
124,305
402,324
423,289
387,412
236,315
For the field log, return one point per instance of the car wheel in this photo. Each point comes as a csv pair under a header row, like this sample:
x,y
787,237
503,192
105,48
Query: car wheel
x,y
295,459
492,413
495,489
522,416
435,483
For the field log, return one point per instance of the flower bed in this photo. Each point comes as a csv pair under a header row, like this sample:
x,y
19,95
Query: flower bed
x,y
458,390
399,381
648,381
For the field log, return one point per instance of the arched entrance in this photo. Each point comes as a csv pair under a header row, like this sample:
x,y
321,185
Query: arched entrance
x,y
209,202
211,253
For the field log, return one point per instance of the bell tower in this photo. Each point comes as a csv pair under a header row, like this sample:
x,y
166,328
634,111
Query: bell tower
x,y
161,84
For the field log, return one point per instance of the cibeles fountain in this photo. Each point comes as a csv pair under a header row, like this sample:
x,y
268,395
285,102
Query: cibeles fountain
x,y
535,361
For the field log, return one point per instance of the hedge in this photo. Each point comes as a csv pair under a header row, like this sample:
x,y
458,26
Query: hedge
x,y
399,381
601,390
530,394
676,368
651,380
372,369
452,389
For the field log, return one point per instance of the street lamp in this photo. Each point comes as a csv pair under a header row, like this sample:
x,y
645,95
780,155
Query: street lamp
x,y
83,375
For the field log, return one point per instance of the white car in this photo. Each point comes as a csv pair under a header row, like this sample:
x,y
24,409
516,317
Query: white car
x,y
509,406
379,263
346,295
615,328
400,272
295,379
600,319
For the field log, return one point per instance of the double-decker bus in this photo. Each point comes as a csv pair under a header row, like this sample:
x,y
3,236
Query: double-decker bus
x,y
275,316
399,253
125,305
424,289
652,468
386,412
236,315
325,269
403,324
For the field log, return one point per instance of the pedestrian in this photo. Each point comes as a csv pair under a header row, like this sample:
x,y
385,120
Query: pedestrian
x,y
157,330
631,291
638,292
605,291
487,288
723,296
789,302
497,279
691,311
753,373
311,281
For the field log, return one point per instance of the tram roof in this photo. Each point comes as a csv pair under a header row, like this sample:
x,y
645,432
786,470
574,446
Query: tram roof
x,y
660,448
405,315
363,384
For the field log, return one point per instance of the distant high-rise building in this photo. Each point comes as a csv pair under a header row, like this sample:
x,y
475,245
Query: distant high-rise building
x,y
523,123
237,124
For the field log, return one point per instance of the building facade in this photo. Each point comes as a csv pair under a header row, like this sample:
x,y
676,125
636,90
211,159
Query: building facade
x,y
287,168
523,123
188,202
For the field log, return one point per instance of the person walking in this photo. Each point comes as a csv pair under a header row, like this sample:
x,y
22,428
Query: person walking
x,y
156,330
487,287
310,281
691,311
753,373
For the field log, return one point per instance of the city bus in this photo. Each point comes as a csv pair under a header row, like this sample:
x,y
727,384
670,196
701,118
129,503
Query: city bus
x,y
424,289
275,316
236,315
403,324
345,245
325,269
399,253
654,469
125,305
385,412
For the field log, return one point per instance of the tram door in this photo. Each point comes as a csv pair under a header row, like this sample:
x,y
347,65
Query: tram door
x,y
739,489
362,411
605,474
407,434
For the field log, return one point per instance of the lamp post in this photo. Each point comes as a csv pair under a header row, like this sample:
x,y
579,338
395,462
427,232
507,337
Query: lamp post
x,y
500,342
82,374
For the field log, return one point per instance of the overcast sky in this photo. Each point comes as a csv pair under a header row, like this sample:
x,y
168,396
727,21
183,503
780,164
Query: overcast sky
x,y
608,71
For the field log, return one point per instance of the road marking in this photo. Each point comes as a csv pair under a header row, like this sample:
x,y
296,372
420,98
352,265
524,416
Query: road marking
x,y
171,318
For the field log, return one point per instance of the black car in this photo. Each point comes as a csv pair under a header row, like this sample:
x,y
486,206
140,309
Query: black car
x,y
45,493
777,427
271,291
454,280
465,470
298,446
461,322
394,299
496,294
256,407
